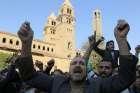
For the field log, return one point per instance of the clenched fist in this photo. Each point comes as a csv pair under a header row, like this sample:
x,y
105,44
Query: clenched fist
x,y
120,32
122,29
25,33
51,63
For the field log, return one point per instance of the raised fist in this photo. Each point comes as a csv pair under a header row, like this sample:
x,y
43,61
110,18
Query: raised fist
x,y
25,32
122,29
38,63
51,63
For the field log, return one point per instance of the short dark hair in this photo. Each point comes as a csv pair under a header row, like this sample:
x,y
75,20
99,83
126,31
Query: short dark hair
x,y
108,60
107,43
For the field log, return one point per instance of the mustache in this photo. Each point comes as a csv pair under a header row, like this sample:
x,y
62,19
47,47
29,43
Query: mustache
x,y
102,73
77,69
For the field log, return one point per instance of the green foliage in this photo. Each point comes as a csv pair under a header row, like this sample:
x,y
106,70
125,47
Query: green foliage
x,y
3,57
94,57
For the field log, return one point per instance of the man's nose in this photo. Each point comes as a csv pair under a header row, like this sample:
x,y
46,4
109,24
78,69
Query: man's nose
x,y
103,69
77,64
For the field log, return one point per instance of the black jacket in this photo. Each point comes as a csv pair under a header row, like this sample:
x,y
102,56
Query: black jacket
x,y
58,84
107,54
12,82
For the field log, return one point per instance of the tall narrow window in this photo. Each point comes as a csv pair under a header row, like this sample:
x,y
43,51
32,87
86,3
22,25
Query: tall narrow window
x,y
33,45
68,10
95,13
68,20
69,45
53,23
17,43
52,49
11,41
43,47
48,49
4,40
38,46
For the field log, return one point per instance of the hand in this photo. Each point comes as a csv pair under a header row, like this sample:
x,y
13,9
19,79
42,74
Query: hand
x,y
120,32
38,63
51,63
137,49
122,29
25,32
91,40
101,39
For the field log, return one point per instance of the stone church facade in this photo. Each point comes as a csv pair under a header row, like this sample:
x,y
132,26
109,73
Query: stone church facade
x,y
58,41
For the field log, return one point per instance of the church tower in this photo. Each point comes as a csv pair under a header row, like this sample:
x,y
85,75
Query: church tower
x,y
60,30
66,30
49,30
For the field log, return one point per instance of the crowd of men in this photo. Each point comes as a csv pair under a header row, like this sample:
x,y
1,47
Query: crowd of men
x,y
117,72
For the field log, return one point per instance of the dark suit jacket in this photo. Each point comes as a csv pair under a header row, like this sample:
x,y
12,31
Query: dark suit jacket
x,y
59,84
107,54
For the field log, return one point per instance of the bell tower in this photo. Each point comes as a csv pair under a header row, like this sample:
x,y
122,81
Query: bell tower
x,y
66,30
49,29
60,30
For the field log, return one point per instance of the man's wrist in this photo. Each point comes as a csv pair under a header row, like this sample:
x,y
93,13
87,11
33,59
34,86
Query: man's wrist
x,y
26,49
123,46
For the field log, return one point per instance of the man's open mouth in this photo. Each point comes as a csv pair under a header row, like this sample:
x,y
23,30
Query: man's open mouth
x,y
78,70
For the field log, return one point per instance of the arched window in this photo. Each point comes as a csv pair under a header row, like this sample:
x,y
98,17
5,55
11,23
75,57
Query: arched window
x,y
69,11
78,54
11,41
38,46
95,13
69,45
68,20
43,47
17,42
52,49
53,23
48,49
34,46
53,31
4,40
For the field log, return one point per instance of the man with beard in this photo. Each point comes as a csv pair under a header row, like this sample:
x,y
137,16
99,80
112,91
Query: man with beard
x,y
105,68
77,82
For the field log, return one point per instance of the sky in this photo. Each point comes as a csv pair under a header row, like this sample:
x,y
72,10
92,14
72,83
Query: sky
x,y
14,12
